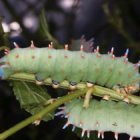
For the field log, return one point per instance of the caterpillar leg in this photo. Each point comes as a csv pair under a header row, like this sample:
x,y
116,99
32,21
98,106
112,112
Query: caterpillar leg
x,y
39,77
123,92
90,84
72,85
133,88
120,90
55,84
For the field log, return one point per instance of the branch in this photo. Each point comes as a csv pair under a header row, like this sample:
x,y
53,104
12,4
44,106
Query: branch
x,y
41,114
98,90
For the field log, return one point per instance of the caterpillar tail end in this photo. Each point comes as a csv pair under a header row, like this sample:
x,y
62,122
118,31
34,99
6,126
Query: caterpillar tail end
x,y
1,73
2,68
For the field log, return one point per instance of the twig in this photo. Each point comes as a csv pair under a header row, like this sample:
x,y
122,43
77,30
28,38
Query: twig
x,y
40,114
98,90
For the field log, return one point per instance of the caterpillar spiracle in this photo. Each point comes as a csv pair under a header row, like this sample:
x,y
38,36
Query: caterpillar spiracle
x,y
74,66
102,116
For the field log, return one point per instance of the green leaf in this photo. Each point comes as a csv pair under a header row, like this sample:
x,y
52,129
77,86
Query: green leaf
x,y
31,97
43,30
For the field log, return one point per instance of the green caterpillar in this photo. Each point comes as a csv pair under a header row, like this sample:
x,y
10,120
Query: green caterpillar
x,y
73,66
102,116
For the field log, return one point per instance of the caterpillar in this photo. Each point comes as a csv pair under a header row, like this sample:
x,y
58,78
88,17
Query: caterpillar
x,y
102,116
74,66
